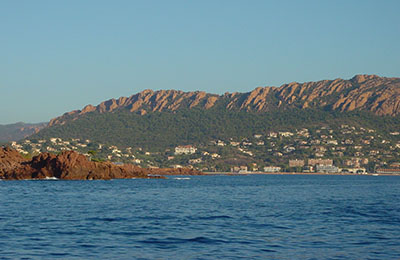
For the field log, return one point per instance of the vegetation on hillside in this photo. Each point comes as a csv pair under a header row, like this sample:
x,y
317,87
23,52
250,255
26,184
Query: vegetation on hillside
x,y
160,130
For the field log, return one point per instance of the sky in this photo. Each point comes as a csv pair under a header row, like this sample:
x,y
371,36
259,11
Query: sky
x,y
58,56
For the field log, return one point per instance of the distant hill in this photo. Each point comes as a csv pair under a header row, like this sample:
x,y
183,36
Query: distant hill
x,y
18,131
166,118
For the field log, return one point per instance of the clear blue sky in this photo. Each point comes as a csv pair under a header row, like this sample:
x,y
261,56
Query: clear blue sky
x,y
57,56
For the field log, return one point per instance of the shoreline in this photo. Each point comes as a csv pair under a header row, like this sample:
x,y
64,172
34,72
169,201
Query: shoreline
x,y
297,173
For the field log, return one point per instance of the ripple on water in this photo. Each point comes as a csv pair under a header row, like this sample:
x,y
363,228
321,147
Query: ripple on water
x,y
177,240
206,217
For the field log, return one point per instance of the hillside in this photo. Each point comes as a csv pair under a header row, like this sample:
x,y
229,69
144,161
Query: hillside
x,y
18,131
166,118
161,130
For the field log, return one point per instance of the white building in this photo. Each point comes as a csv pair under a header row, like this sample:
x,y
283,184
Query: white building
x,y
215,155
239,169
194,161
185,149
327,169
272,169
55,140
220,143
285,134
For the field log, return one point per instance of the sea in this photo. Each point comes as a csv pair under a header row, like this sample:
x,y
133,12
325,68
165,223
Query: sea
x,y
202,217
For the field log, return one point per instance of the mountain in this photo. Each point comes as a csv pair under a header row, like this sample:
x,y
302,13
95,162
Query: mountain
x,y
372,93
166,118
18,131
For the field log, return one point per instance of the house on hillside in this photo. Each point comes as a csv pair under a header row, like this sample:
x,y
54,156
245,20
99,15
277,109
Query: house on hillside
x,y
220,143
185,149
215,155
195,161
286,134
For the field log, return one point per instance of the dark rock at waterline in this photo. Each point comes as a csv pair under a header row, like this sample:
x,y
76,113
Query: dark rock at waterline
x,y
71,165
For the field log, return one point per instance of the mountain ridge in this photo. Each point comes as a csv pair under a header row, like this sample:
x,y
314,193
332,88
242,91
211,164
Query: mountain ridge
x,y
379,95
19,130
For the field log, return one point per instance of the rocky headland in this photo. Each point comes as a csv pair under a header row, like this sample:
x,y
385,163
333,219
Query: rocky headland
x,y
70,165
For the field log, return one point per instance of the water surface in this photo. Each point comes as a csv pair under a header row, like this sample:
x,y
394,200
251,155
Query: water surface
x,y
204,217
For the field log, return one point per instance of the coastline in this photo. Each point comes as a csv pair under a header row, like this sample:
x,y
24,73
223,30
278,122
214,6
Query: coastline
x,y
297,173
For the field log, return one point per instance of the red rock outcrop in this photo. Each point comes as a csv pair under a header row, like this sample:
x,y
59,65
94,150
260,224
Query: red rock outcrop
x,y
9,160
146,101
71,165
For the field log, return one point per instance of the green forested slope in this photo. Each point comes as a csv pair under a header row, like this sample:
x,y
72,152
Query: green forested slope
x,y
158,130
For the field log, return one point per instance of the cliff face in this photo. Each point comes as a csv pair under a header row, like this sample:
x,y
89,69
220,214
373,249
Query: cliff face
x,y
72,166
9,160
146,101
363,92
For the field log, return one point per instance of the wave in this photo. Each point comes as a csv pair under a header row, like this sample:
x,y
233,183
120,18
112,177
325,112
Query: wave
x,y
51,178
45,179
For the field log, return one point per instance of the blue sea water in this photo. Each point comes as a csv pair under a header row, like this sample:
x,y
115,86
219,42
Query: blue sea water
x,y
203,217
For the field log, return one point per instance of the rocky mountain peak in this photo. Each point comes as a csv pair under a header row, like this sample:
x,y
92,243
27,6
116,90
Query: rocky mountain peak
x,y
363,77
